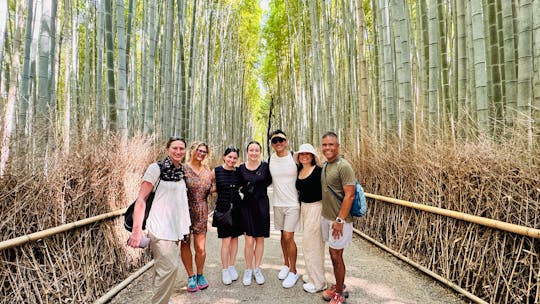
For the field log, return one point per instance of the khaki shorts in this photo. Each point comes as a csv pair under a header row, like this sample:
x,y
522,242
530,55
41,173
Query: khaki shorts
x,y
333,243
287,218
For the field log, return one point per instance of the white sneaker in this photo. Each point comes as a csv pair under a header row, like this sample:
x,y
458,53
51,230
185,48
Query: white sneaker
x,y
309,287
283,272
305,278
247,277
259,278
233,272
226,277
291,280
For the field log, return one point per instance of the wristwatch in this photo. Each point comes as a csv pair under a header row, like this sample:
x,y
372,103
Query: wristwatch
x,y
339,220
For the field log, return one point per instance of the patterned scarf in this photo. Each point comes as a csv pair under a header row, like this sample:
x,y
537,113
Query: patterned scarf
x,y
169,172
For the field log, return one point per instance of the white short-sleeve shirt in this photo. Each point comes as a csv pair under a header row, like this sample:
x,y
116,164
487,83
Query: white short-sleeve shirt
x,y
284,172
169,217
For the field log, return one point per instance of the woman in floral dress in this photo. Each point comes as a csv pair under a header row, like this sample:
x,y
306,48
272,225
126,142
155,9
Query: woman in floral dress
x,y
200,184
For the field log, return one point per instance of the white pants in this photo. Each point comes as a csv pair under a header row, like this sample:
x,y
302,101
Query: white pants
x,y
166,262
312,243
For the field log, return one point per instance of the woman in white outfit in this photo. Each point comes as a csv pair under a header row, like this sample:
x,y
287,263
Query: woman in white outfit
x,y
168,221
309,188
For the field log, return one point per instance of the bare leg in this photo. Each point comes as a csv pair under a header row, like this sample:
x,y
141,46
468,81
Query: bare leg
x,y
200,251
284,250
259,250
225,244
291,250
336,256
187,257
248,252
233,250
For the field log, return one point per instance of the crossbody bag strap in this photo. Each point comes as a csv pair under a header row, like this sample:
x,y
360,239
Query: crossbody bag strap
x,y
159,178
334,192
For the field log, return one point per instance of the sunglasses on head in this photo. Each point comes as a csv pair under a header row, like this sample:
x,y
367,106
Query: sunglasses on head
x,y
230,149
276,140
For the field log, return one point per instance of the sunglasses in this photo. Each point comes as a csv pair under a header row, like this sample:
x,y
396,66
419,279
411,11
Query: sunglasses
x,y
202,152
175,138
230,149
276,140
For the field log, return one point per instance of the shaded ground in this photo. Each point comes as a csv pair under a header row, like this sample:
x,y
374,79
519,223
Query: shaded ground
x,y
373,276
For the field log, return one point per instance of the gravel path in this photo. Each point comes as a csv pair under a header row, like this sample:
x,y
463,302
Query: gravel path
x,y
373,276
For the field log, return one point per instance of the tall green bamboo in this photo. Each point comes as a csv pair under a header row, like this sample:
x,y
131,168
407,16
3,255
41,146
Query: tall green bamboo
x,y
111,88
525,68
480,72
9,113
122,107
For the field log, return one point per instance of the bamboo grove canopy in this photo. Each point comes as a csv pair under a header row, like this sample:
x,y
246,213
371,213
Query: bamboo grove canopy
x,y
382,70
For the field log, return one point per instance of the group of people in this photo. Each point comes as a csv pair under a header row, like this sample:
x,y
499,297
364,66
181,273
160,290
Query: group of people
x,y
301,197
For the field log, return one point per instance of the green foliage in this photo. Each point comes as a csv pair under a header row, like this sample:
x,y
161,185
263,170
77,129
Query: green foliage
x,y
248,32
276,37
249,20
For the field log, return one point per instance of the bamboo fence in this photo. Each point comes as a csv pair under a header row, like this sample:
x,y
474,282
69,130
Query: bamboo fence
x,y
457,187
61,242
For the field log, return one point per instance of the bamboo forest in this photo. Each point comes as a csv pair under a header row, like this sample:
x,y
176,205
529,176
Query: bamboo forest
x,y
435,102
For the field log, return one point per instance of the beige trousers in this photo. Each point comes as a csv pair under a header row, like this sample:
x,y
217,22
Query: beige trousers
x,y
166,265
312,242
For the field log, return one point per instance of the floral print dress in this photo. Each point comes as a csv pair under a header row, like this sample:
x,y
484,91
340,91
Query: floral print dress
x,y
199,187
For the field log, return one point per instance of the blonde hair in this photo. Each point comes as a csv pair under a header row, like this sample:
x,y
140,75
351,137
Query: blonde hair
x,y
193,149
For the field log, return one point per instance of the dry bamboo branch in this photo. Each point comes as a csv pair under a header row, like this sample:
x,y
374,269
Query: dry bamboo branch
x,y
445,281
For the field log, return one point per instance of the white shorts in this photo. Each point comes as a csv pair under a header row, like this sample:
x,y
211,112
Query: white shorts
x,y
343,241
287,218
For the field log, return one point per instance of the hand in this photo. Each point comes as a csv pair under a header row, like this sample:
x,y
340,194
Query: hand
x,y
135,239
337,230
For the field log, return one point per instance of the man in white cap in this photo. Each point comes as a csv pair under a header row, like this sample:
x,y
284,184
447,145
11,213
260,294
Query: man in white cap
x,y
286,205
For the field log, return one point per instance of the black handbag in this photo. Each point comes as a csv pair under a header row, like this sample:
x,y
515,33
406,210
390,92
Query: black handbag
x,y
128,216
222,219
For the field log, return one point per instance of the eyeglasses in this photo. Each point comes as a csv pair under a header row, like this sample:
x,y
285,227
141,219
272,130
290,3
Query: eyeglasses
x,y
203,152
276,140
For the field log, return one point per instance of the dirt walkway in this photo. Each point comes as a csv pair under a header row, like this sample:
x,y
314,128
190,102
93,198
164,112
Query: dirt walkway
x,y
373,276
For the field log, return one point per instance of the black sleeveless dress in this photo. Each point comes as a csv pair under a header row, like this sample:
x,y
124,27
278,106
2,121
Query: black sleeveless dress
x,y
227,184
256,205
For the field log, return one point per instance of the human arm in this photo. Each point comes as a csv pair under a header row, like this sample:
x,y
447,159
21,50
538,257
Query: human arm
x,y
337,228
347,179
268,176
213,177
138,214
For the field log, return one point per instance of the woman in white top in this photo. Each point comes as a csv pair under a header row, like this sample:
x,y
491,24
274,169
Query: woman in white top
x,y
168,221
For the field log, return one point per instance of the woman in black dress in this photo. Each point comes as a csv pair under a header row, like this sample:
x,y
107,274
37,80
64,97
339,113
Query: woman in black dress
x,y
255,211
227,185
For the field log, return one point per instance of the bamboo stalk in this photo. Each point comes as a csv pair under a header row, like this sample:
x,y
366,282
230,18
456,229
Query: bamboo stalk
x,y
425,270
58,229
513,228
109,295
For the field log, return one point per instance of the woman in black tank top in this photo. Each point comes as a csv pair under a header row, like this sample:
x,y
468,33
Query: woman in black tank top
x,y
309,188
